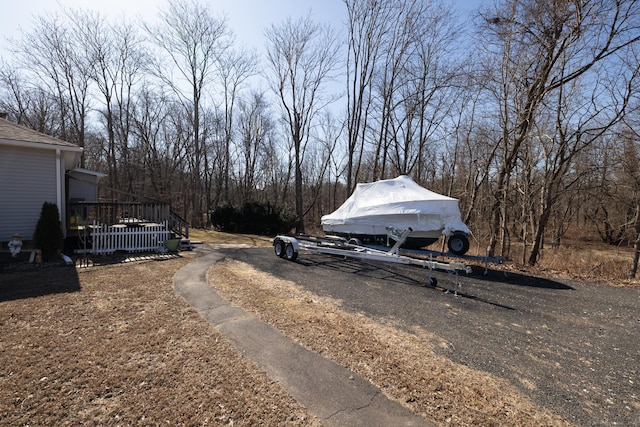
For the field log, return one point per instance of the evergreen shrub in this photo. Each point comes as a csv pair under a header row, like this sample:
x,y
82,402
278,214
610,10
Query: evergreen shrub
x,y
254,218
48,236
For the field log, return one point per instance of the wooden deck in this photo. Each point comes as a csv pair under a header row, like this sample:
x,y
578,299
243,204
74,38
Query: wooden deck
x,y
107,226
114,213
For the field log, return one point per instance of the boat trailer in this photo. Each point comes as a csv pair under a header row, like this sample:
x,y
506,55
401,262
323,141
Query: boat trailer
x,y
288,247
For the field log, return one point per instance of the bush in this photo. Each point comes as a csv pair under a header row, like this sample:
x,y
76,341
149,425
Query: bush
x,y
254,218
223,218
48,236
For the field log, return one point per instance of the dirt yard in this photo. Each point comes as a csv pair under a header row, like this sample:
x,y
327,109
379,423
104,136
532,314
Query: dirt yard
x,y
113,345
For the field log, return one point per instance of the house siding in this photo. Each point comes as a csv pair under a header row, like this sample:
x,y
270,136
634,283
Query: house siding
x,y
83,187
32,174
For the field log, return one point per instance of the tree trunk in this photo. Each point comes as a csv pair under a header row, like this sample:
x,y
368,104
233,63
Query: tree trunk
x,y
636,245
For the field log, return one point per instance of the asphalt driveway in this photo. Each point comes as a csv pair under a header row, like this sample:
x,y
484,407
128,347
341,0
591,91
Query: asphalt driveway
x,y
571,347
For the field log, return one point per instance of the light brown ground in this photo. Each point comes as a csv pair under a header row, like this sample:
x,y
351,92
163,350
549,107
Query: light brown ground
x,y
118,347
124,350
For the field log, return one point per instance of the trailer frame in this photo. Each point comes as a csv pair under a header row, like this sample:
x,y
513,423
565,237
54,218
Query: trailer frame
x,y
288,247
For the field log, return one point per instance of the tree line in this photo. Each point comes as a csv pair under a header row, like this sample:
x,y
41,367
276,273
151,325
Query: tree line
x,y
527,113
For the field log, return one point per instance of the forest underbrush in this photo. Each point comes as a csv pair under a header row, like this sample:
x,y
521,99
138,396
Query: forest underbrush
x,y
581,255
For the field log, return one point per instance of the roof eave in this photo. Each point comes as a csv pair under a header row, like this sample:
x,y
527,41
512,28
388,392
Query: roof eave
x,y
89,172
40,145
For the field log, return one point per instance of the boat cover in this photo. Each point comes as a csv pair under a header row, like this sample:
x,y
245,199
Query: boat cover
x,y
380,202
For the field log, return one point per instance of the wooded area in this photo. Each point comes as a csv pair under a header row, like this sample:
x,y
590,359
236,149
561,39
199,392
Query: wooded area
x,y
528,113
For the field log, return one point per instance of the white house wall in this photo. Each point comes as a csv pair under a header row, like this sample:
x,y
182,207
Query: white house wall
x,y
28,178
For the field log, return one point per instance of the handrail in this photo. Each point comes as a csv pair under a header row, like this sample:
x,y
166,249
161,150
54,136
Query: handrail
x,y
178,225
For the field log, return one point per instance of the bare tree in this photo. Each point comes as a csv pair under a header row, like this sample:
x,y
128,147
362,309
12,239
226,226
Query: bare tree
x,y
540,46
470,155
163,151
397,103
390,82
192,41
630,136
52,54
116,56
234,70
277,164
29,105
302,56
256,128
630,163
318,162
577,126
605,200
368,23
400,75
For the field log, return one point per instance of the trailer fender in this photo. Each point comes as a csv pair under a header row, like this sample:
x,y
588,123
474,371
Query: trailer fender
x,y
286,247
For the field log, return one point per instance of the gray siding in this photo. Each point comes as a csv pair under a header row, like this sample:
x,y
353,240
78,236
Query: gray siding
x,y
83,186
27,180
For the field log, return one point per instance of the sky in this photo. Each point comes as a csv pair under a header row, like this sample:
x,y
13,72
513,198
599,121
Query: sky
x,y
247,18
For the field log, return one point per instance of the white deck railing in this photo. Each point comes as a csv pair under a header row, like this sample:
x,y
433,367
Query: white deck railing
x,y
107,239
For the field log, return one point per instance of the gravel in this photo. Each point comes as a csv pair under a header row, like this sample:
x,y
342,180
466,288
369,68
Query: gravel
x,y
570,347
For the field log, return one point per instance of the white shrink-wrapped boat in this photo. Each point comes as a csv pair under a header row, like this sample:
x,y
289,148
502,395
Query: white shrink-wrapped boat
x,y
378,207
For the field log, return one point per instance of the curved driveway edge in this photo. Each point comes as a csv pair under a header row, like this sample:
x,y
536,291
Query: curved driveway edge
x,y
334,394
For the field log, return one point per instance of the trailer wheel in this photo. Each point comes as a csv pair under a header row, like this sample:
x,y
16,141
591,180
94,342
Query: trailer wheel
x,y
279,248
458,244
433,281
290,253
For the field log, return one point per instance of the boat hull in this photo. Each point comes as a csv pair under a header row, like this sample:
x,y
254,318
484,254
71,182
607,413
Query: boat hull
x,y
376,232
384,240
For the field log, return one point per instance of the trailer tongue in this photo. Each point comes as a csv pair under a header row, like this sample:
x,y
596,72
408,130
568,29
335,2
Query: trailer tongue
x,y
288,247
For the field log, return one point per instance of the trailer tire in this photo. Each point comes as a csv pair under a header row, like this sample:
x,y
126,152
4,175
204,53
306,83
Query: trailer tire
x,y
279,248
290,253
458,244
433,281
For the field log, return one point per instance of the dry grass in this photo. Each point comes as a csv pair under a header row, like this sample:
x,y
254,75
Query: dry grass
x,y
602,263
120,348
581,256
221,238
595,263
404,365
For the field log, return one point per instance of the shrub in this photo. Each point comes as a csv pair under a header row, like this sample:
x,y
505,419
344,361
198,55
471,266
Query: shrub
x,y
254,218
48,236
223,218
